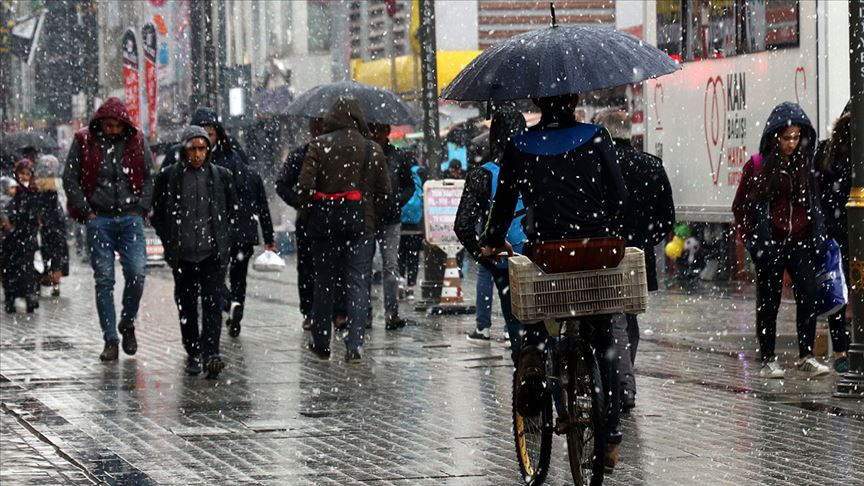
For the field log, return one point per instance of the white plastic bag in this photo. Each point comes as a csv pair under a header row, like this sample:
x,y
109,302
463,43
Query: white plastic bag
x,y
38,262
268,262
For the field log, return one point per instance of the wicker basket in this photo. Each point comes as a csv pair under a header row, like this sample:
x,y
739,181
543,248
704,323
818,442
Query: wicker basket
x,y
536,296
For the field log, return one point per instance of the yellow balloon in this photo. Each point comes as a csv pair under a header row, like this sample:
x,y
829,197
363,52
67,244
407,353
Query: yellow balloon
x,y
675,248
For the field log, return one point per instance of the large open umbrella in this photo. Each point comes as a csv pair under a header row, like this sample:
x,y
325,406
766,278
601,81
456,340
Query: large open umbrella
x,y
556,61
378,105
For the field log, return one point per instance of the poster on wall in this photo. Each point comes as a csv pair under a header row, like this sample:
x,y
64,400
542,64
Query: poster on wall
x,y
131,78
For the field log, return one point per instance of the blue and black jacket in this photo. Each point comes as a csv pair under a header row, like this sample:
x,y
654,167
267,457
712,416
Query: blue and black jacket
x,y
570,182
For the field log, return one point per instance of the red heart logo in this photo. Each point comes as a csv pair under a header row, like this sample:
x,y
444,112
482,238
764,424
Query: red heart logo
x,y
715,124
800,80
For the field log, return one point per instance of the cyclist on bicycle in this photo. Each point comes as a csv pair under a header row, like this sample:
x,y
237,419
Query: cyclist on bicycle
x,y
568,175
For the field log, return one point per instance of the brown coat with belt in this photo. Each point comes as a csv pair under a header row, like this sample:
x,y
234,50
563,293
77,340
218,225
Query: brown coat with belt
x,y
335,163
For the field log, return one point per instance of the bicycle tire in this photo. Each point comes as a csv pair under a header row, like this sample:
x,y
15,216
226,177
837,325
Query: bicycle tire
x,y
585,433
533,436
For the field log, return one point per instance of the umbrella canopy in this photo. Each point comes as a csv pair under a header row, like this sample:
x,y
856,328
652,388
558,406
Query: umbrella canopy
x,y
378,105
273,101
557,61
41,141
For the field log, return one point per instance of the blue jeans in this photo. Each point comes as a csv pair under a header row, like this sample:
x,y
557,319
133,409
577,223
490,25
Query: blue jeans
x,y
352,261
388,242
499,278
124,235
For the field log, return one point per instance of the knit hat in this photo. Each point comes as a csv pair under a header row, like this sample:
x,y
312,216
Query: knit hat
x,y
194,131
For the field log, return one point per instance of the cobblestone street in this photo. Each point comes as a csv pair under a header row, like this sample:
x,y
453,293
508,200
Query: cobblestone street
x,y
426,406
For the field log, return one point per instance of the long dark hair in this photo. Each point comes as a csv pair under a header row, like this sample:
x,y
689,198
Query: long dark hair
x,y
839,143
767,186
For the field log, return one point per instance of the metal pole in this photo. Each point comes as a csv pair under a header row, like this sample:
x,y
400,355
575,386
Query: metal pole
x,y
393,84
851,384
196,54
433,258
429,76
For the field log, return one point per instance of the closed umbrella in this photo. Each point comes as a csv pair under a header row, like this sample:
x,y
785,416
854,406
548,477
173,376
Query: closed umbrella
x,y
378,105
556,61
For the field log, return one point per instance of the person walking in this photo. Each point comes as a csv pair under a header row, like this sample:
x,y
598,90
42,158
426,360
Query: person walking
x,y
19,227
777,213
193,211
252,211
342,184
52,224
648,219
109,185
480,187
387,235
412,233
586,198
834,172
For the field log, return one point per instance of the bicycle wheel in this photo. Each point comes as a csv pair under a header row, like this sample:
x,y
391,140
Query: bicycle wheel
x,y
533,440
585,415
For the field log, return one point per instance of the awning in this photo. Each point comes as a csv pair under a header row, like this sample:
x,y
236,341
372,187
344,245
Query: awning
x,y
380,73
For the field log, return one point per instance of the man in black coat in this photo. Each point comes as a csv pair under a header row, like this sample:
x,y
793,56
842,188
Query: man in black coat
x,y
387,235
649,218
193,212
252,210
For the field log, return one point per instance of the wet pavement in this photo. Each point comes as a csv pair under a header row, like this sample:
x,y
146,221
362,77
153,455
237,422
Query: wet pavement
x,y
425,407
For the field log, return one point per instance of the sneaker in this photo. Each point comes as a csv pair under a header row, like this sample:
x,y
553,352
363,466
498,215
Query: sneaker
x,y
409,293
480,335
353,357
610,457
530,381
130,344
9,306
841,365
193,365
770,369
214,366
394,323
307,324
109,352
812,368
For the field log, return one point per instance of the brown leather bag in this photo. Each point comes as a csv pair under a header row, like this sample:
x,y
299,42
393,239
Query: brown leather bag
x,y
577,255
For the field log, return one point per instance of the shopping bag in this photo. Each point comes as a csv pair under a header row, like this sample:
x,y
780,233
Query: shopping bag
x,y
38,262
831,291
268,262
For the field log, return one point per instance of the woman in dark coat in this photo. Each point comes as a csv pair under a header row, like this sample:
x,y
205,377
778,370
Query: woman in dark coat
x,y
52,227
834,171
19,224
778,214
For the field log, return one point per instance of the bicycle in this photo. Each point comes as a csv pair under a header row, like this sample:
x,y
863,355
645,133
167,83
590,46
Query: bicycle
x,y
587,282
574,387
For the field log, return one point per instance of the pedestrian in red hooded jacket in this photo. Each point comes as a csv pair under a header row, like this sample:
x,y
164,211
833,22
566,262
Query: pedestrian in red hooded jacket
x,y
109,186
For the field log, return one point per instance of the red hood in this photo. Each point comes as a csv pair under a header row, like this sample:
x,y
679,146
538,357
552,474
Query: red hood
x,y
113,108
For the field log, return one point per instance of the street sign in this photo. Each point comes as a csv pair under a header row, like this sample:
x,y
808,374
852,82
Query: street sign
x,y
441,201
131,77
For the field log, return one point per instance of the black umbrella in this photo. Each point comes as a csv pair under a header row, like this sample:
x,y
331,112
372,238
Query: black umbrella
x,y
42,142
556,61
378,105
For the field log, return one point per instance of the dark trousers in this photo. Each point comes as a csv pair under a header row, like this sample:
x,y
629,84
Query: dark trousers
x,y
238,269
352,261
306,277
305,272
191,281
839,333
598,332
409,257
797,259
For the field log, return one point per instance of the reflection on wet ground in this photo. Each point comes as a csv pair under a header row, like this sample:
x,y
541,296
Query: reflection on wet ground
x,y
425,407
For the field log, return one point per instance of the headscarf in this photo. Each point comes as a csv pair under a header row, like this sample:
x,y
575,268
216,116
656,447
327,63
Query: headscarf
x,y
21,165
46,173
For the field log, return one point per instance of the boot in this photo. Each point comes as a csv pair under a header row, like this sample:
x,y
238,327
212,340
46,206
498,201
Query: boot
x,y
110,352
130,343
610,458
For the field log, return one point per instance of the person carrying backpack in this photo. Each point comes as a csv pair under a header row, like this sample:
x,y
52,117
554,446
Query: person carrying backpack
x,y
411,238
778,215
477,197
648,219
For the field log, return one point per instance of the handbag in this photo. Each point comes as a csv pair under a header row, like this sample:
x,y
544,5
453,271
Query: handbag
x,y
337,215
831,291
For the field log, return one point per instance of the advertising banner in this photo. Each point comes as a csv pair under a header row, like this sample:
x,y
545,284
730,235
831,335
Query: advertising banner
x,y
131,78
148,38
